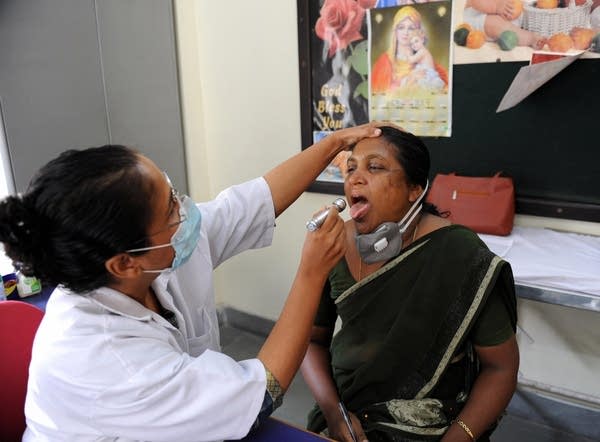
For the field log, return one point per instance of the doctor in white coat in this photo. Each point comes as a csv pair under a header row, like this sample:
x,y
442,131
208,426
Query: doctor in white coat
x,y
129,346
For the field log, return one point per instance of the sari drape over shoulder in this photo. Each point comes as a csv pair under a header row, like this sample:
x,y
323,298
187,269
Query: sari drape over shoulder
x,y
403,325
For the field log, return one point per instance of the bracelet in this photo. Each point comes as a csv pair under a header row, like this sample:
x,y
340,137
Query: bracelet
x,y
465,427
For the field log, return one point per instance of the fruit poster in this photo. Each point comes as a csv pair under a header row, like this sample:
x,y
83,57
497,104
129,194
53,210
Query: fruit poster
x,y
514,30
410,67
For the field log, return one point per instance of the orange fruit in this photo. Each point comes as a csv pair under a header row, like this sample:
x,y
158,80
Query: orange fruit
x,y
547,4
582,37
560,42
518,9
475,39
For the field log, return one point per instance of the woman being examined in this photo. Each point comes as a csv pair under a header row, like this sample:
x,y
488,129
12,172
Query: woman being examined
x,y
129,345
426,348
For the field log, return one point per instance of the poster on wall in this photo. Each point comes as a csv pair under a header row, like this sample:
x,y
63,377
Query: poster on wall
x,y
518,29
337,56
410,67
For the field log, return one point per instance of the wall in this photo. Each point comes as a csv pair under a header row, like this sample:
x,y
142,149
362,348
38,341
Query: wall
x,y
248,105
240,63
78,73
6,188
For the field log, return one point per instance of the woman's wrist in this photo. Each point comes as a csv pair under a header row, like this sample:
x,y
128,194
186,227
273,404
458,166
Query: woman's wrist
x,y
464,427
331,411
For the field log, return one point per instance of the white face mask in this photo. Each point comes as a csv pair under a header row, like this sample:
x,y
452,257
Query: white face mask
x,y
385,242
186,237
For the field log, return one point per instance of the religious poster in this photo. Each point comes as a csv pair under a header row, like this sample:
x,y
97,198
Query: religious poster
x,y
410,67
339,68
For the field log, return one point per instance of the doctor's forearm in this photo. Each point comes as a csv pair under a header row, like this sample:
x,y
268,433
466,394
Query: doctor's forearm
x,y
292,177
289,179
284,349
285,346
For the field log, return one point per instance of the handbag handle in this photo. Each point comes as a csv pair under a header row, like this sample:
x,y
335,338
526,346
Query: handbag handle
x,y
493,181
496,175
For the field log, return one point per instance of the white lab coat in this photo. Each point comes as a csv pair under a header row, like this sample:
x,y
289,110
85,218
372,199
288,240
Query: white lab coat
x,y
105,368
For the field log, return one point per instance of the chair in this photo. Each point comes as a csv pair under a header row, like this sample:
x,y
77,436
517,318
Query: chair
x,y
18,323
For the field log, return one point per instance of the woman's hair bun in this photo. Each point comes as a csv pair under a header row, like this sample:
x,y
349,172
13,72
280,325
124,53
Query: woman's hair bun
x,y
19,229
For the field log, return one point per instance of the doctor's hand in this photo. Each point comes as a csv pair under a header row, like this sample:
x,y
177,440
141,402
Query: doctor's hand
x,y
324,247
338,429
344,139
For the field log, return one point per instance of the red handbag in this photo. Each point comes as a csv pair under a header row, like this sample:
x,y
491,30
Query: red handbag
x,y
484,204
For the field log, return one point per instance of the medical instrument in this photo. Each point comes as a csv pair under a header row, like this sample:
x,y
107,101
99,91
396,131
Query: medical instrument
x,y
319,218
346,417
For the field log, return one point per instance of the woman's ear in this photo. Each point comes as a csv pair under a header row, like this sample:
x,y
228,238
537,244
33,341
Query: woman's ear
x,y
415,191
122,266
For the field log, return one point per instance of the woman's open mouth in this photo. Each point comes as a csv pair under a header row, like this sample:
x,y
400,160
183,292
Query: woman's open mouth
x,y
359,207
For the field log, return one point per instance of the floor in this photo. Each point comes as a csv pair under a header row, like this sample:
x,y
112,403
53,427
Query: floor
x,y
530,417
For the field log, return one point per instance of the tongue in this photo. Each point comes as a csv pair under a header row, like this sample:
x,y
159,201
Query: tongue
x,y
358,210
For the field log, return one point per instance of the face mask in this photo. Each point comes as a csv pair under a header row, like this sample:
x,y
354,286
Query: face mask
x,y
185,238
386,241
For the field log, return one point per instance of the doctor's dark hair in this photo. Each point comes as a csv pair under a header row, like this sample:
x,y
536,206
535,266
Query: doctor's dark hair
x,y
413,156
80,209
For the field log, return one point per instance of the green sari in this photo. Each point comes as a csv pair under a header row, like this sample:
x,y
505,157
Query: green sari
x,y
404,327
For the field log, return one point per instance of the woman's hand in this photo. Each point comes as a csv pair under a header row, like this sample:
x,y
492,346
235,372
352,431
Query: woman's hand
x,y
491,391
338,429
324,247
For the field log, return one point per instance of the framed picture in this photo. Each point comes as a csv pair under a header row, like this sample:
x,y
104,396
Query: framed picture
x,y
333,75
335,70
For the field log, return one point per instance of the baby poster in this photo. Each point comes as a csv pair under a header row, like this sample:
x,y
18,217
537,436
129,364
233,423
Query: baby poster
x,y
410,55
513,30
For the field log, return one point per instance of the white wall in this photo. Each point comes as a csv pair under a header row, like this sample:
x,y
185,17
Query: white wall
x,y
239,68
6,188
246,99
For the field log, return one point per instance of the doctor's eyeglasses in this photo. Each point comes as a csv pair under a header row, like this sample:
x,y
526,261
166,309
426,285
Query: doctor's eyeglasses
x,y
177,215
175,204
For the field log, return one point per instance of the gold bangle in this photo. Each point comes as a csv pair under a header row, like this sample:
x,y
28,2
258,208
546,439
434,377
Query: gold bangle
x,y
466,428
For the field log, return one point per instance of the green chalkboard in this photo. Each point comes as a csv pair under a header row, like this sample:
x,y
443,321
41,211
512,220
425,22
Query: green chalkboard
x,y
549,143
